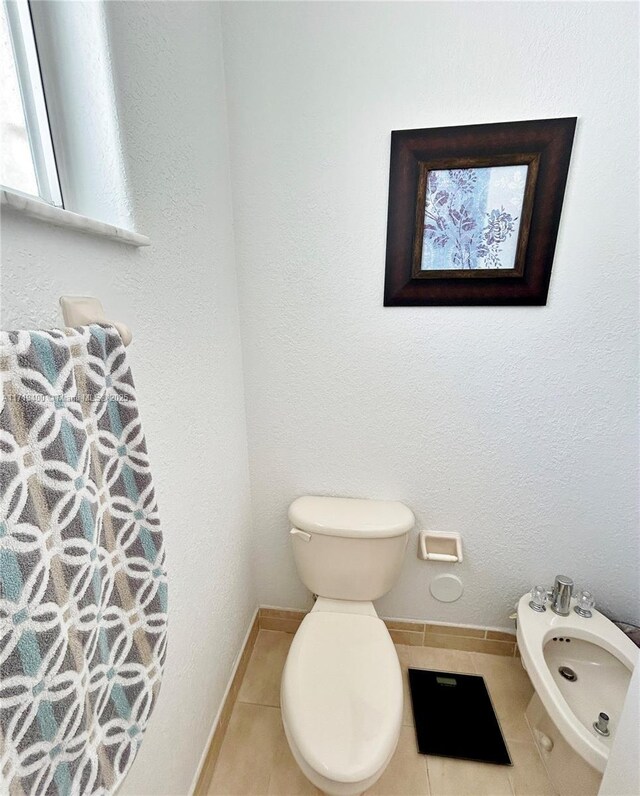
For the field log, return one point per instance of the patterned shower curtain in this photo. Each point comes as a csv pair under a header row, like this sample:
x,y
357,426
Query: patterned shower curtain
x,y
83,586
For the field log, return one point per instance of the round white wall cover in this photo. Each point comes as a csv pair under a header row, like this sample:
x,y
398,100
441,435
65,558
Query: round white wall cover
x,y
446,588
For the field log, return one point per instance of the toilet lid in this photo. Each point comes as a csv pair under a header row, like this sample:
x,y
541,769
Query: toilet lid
x,y
342,695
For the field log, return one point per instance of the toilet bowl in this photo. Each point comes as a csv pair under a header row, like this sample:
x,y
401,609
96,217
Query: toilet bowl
x,y
341,693
579,667
341,697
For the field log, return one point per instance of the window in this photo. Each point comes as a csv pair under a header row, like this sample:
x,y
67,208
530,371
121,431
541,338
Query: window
x,y
70,146
27,162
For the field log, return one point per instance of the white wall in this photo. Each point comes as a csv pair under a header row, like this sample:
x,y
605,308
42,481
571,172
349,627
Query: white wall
x,y
515,426
179,297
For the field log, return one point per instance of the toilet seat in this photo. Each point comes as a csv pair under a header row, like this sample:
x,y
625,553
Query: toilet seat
x,y
341,697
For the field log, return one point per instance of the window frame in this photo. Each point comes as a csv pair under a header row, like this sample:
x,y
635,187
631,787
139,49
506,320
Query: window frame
x,y
27,63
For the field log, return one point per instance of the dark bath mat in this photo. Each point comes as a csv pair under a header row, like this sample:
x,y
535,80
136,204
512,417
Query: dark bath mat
x,y
454,717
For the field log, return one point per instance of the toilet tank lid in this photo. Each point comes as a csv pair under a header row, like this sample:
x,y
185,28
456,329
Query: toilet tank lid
x,y
351,517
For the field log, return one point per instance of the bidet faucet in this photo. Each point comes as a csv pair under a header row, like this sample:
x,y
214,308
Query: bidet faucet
x,y
560,595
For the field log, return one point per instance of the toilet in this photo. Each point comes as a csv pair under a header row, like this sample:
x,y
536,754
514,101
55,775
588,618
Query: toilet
x,y
341,693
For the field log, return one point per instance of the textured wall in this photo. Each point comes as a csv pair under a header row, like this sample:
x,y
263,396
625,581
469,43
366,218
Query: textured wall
x,y
515,426
179,297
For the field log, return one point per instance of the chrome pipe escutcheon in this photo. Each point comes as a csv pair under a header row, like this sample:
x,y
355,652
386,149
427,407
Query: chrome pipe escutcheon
x,y
602,725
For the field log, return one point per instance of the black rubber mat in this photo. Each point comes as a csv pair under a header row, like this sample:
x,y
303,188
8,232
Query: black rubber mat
x,y
454,717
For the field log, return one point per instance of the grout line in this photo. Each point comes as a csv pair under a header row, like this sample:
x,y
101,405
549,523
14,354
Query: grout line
x,y
273,630
426,765
473,663
257,704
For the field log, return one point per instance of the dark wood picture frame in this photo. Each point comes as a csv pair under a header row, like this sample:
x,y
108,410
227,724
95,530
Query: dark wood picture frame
x,y
543,145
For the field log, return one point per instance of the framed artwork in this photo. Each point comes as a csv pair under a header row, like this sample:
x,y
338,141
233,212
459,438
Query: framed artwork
x,y
474,212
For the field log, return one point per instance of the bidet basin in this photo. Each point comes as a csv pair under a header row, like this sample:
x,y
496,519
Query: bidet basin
x,y
590,679
579,668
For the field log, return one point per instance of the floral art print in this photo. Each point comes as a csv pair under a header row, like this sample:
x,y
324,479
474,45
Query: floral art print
x,y
472,218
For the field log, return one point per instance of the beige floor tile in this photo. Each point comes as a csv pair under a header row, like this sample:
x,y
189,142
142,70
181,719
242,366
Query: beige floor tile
x,y
528,776
261,683
445,660
449,777
510,690
286,778
406,774
248,751
255,759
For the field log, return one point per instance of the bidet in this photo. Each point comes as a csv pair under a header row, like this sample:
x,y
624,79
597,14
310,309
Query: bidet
x,y
580,668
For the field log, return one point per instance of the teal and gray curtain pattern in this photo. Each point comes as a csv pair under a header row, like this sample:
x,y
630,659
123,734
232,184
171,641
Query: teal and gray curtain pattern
x,y
83,586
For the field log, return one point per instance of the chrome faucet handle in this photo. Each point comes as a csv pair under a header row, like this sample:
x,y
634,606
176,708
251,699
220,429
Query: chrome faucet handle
x,y
586,604
539,597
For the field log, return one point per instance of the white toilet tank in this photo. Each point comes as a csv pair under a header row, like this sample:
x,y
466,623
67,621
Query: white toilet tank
x,y
347,548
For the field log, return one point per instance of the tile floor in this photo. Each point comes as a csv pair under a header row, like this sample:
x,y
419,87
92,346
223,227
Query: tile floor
x,y
255,759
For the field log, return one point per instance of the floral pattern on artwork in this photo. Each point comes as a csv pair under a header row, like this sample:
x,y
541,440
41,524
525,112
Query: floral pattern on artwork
x,y
472,218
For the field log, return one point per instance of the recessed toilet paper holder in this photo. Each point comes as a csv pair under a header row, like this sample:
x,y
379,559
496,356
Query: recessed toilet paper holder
x,y
443,546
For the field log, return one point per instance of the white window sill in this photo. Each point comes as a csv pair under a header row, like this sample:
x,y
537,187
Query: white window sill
x,y
35,208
